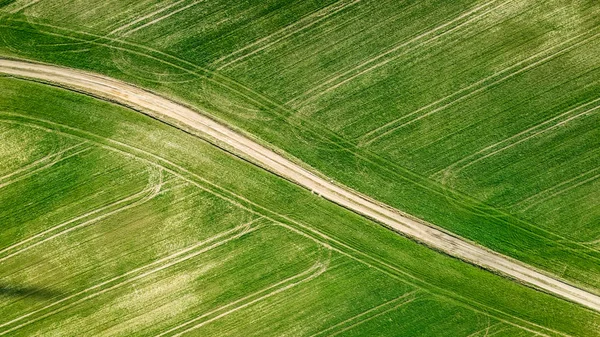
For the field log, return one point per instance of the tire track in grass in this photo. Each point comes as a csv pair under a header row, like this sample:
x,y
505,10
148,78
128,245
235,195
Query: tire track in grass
x,y
151,191
282,34
52,152
306,230
404,48
40,166
368,314
172,112
142,18
479,86
130,276
518,138
311,273
560,191
557,188
160,18
283,111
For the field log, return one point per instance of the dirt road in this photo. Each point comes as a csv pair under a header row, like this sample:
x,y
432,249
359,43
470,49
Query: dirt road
x,y
161,107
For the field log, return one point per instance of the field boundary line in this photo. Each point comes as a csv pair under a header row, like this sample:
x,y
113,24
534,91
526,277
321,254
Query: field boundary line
x,y
318,268
138,273
323,87
235,199
147,194
392,302
474,88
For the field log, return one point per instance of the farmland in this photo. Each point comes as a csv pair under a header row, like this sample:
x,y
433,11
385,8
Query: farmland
x,y
477,116
159,244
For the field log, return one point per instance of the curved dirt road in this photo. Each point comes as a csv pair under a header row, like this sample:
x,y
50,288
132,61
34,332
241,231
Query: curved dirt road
x,y
161,107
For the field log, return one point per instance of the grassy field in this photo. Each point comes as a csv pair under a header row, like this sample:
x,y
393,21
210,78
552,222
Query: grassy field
x,y
478,116
117,224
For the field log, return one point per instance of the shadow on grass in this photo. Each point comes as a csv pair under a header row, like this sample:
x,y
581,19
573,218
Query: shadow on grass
x,y
11,290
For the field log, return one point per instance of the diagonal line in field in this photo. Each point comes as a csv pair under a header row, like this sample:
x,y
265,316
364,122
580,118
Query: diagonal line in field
x,y
514,140
287,31
146,195
306,230
369,318
479,86
137,273
394,303
56,158
561,191
373,63
557,187
313,272
32,165
162,18
142,18
24,6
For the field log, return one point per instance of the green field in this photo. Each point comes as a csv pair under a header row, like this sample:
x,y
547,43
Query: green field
x,y
477,116
116,224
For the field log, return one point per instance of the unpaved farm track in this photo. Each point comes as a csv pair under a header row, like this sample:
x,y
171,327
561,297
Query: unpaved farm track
x,y
170,111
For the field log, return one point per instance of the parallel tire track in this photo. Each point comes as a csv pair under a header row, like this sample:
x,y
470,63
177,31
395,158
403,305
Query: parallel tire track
x,y
172,112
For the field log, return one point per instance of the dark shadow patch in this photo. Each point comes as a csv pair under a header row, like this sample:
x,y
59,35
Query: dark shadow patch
x,y
6,2
7,290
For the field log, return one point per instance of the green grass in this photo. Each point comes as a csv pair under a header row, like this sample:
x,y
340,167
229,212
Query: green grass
x,y
305,266
487,159
287,50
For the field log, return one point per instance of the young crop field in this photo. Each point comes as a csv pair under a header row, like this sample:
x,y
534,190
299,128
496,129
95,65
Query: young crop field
x,y
477,116
116,224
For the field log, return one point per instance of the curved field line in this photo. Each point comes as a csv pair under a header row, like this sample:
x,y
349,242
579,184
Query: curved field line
x,y
23,6
137,273
32,165
472,89
56,158
514,139
170,111
287,31
329,85
376,310
311,273
306,230
146,195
